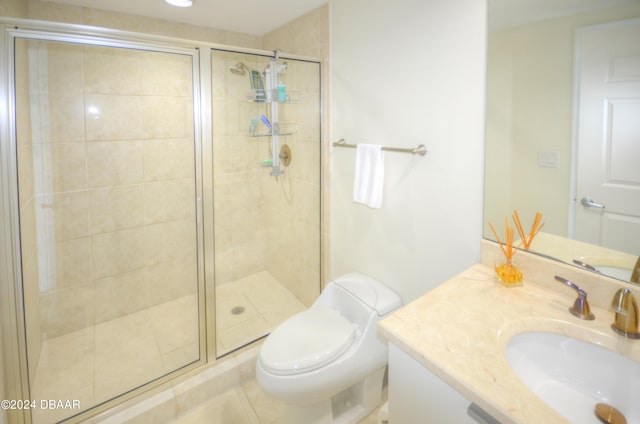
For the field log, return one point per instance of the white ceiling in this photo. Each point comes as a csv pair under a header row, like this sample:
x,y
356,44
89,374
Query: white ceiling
x,y
256,17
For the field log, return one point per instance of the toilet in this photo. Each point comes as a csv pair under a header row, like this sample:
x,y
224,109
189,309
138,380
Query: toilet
x,y
327,364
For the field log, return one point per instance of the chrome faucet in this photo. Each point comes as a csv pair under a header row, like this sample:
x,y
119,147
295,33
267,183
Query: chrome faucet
x,y
580,307
626,314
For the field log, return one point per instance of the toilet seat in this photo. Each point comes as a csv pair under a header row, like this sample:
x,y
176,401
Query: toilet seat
x,y
306,341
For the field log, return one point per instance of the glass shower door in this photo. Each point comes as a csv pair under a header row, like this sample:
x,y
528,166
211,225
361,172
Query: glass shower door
x,y
106,158
266,193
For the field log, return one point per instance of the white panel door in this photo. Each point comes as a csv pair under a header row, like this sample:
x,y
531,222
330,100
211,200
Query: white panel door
x,y
608,166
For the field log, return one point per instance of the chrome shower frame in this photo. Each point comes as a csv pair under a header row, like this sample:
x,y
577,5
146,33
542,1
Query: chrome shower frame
x,y
11,282
14,344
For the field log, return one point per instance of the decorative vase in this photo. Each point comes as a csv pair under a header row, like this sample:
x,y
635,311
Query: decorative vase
x,y
508,274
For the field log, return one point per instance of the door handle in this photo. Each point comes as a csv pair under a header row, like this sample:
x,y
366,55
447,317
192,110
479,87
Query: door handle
x,y
588,202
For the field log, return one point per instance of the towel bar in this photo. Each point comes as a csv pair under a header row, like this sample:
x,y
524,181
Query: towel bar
x,y
420,150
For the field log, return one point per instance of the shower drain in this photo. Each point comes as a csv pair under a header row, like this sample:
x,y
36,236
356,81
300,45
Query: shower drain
x,y
237,310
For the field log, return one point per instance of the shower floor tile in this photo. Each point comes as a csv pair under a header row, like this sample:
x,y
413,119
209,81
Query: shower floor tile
x,y
264,304
96,363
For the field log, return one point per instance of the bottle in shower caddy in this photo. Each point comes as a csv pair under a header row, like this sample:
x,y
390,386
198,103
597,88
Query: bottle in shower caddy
x,y
282,91
279,92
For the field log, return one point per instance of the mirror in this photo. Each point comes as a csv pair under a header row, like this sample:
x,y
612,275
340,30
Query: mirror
x,y
533,159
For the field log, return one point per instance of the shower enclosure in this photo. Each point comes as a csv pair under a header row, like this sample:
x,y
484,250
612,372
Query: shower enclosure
x,y
267,219
145,235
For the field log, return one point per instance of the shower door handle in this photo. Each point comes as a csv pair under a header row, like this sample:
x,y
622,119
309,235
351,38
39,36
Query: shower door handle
x,y
588,202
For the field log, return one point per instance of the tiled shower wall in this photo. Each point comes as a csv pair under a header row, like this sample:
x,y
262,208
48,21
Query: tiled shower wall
x,y
59,12
309,36
305,36
111,159
263,222
14,8
239,203
293,212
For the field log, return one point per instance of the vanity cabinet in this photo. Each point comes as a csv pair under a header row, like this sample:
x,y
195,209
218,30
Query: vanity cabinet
x,y
416,395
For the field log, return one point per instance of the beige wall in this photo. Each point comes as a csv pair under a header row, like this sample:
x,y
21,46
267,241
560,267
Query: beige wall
x,y
283,218
81,15
113,187
14,8
529,109
239,204
306,36
293,212
264,223
309,36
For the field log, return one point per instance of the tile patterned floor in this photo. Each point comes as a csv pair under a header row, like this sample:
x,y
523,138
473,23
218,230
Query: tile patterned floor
x,y
97,363
247,404
265,304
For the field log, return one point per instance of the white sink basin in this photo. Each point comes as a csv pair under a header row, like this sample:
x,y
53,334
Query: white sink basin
x,y
572,376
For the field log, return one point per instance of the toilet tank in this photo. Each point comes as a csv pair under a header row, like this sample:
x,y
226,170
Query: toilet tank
x,y
359,298
371,292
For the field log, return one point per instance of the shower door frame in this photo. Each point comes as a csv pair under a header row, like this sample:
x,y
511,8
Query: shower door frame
x,y
272,57
14,354
11,282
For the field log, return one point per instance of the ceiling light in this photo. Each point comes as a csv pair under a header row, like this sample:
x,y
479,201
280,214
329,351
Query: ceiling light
x,y
180,3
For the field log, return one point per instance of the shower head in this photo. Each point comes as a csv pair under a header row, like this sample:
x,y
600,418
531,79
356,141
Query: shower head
x,y
237,71
239,68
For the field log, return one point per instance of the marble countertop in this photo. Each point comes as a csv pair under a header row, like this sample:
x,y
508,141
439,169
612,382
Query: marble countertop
x,y
460,329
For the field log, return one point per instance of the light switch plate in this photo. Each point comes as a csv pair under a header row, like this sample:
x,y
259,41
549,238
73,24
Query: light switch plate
x,y
548,159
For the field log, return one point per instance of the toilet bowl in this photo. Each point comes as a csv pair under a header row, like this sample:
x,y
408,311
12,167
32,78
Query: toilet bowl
x,y
327,364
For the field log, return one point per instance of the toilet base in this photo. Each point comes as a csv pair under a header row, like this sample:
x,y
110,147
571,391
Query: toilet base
x,y
347,407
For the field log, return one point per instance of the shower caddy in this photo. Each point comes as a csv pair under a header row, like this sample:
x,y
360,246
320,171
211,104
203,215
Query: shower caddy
x,y
274,95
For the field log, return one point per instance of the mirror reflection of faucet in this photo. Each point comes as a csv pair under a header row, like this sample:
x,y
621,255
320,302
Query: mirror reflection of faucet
x,y
625,306
586,265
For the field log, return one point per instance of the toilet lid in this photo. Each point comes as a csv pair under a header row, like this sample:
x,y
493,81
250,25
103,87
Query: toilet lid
x,y
306,341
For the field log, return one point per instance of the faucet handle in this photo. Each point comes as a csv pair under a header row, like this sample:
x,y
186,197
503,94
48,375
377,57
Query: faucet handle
x,y
617,303
627,321
580,307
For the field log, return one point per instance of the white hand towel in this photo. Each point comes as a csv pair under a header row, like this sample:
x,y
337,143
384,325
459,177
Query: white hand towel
x,y
369,178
